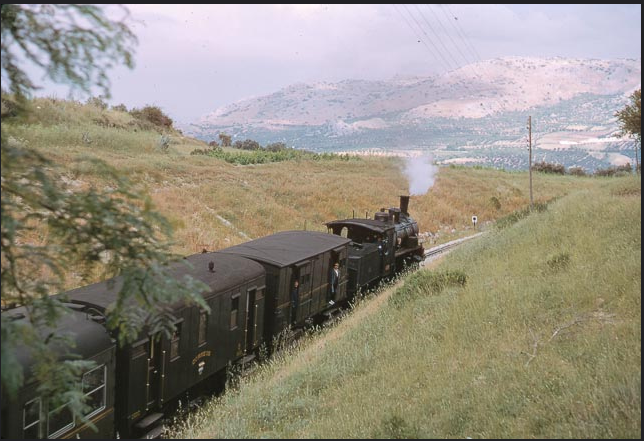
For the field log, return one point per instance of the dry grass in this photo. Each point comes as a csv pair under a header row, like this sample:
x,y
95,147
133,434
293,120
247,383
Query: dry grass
x,y
196,192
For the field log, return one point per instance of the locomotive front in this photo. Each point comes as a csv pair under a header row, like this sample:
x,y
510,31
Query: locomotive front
x,y
381,246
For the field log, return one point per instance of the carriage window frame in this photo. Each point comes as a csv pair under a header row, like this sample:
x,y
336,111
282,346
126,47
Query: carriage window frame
x,y
175,342
26,426
103,386
202,328
234,310
63,429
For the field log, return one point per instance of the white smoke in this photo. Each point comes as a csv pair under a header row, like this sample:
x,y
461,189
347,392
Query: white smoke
x,y
421,173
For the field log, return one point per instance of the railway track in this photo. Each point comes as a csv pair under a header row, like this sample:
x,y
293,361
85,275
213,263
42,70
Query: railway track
x,y
244,370
434,252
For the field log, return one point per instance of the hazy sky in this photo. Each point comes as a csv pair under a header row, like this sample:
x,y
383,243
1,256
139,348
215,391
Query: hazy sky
x,y
191,59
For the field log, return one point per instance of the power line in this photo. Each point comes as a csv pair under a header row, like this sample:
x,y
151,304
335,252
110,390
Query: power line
x,y
436,35
420,39
467,62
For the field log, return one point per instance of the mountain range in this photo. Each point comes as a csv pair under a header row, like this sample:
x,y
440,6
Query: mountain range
x,y
476,114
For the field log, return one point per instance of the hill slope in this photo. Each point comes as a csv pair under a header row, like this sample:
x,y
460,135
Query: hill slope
x,y
482,106
543,341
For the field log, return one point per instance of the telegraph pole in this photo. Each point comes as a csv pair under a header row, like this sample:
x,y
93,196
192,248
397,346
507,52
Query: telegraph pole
x,y
530,156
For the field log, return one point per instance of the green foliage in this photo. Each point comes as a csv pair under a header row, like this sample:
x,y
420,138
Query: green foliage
x,y
495,202
516,216
97,101
73,43
164,143
395,427
120,108
152,117
630,117
559,261
427,282
618,170
546,167
577,171
226,140
263,156
114,231
49,227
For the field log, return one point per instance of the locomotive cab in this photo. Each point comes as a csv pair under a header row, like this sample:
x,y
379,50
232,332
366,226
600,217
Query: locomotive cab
x,y
380,246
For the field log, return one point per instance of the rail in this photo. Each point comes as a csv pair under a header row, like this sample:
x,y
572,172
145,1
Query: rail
x,y
432,252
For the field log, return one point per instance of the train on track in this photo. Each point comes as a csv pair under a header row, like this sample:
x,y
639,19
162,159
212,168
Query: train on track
x,y
132,387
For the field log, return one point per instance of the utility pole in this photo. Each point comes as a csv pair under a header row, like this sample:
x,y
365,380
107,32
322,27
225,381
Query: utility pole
x,y
530,160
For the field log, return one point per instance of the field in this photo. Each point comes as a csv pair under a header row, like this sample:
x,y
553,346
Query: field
x,y
532,331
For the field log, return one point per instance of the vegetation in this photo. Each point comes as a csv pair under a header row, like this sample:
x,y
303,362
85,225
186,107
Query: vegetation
x,y
630,119
542,340
546,167
51,228
213,204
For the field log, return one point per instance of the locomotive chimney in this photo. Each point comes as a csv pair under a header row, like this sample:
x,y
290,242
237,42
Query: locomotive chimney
x,y
404,204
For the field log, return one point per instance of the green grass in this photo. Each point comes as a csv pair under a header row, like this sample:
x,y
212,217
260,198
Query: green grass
x,y
526,347
531,331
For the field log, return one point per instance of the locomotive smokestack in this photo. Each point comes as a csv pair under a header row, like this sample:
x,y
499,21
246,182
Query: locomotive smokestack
x,y
404,204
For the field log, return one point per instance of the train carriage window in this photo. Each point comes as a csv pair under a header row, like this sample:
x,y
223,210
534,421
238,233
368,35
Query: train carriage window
x,y
234,310
260,293
31,419
139,350
94,390
203,327
59,421
174,342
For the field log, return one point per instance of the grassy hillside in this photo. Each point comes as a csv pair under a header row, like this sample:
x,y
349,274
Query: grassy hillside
x,y
542,341
200,194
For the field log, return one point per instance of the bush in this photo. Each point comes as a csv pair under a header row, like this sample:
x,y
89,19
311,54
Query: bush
x,y
619,170
547,167
576,171
152,115
559,261
427,282
97,101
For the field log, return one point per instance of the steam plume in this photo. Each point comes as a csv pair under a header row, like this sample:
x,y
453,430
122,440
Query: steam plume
x,y
420,173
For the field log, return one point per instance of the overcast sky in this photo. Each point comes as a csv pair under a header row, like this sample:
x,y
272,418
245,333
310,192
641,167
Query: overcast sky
x,y
192,59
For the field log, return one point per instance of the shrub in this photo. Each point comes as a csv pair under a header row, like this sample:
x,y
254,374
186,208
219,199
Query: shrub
x,y
516,216
547,167
576,171
164,143
97,101
275,146
619,170
559,261
495,202
120,108
428,282
152,115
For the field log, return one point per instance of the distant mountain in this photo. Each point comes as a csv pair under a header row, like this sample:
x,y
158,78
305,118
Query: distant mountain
x,y
476,114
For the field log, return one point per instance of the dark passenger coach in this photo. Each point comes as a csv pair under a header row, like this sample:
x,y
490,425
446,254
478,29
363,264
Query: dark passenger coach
x,y
304,255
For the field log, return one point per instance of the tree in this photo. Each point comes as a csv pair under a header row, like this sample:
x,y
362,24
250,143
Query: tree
x,y
115,231
75,44
630,118
226,140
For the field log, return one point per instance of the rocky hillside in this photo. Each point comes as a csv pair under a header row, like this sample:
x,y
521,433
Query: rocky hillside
x,y
480,105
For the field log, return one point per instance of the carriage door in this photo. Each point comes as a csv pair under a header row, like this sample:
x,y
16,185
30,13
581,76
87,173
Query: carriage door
x,y
340,255
304,274
153,379
250,330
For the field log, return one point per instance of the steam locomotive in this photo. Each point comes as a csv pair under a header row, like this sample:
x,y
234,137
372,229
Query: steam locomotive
x,y
131,388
